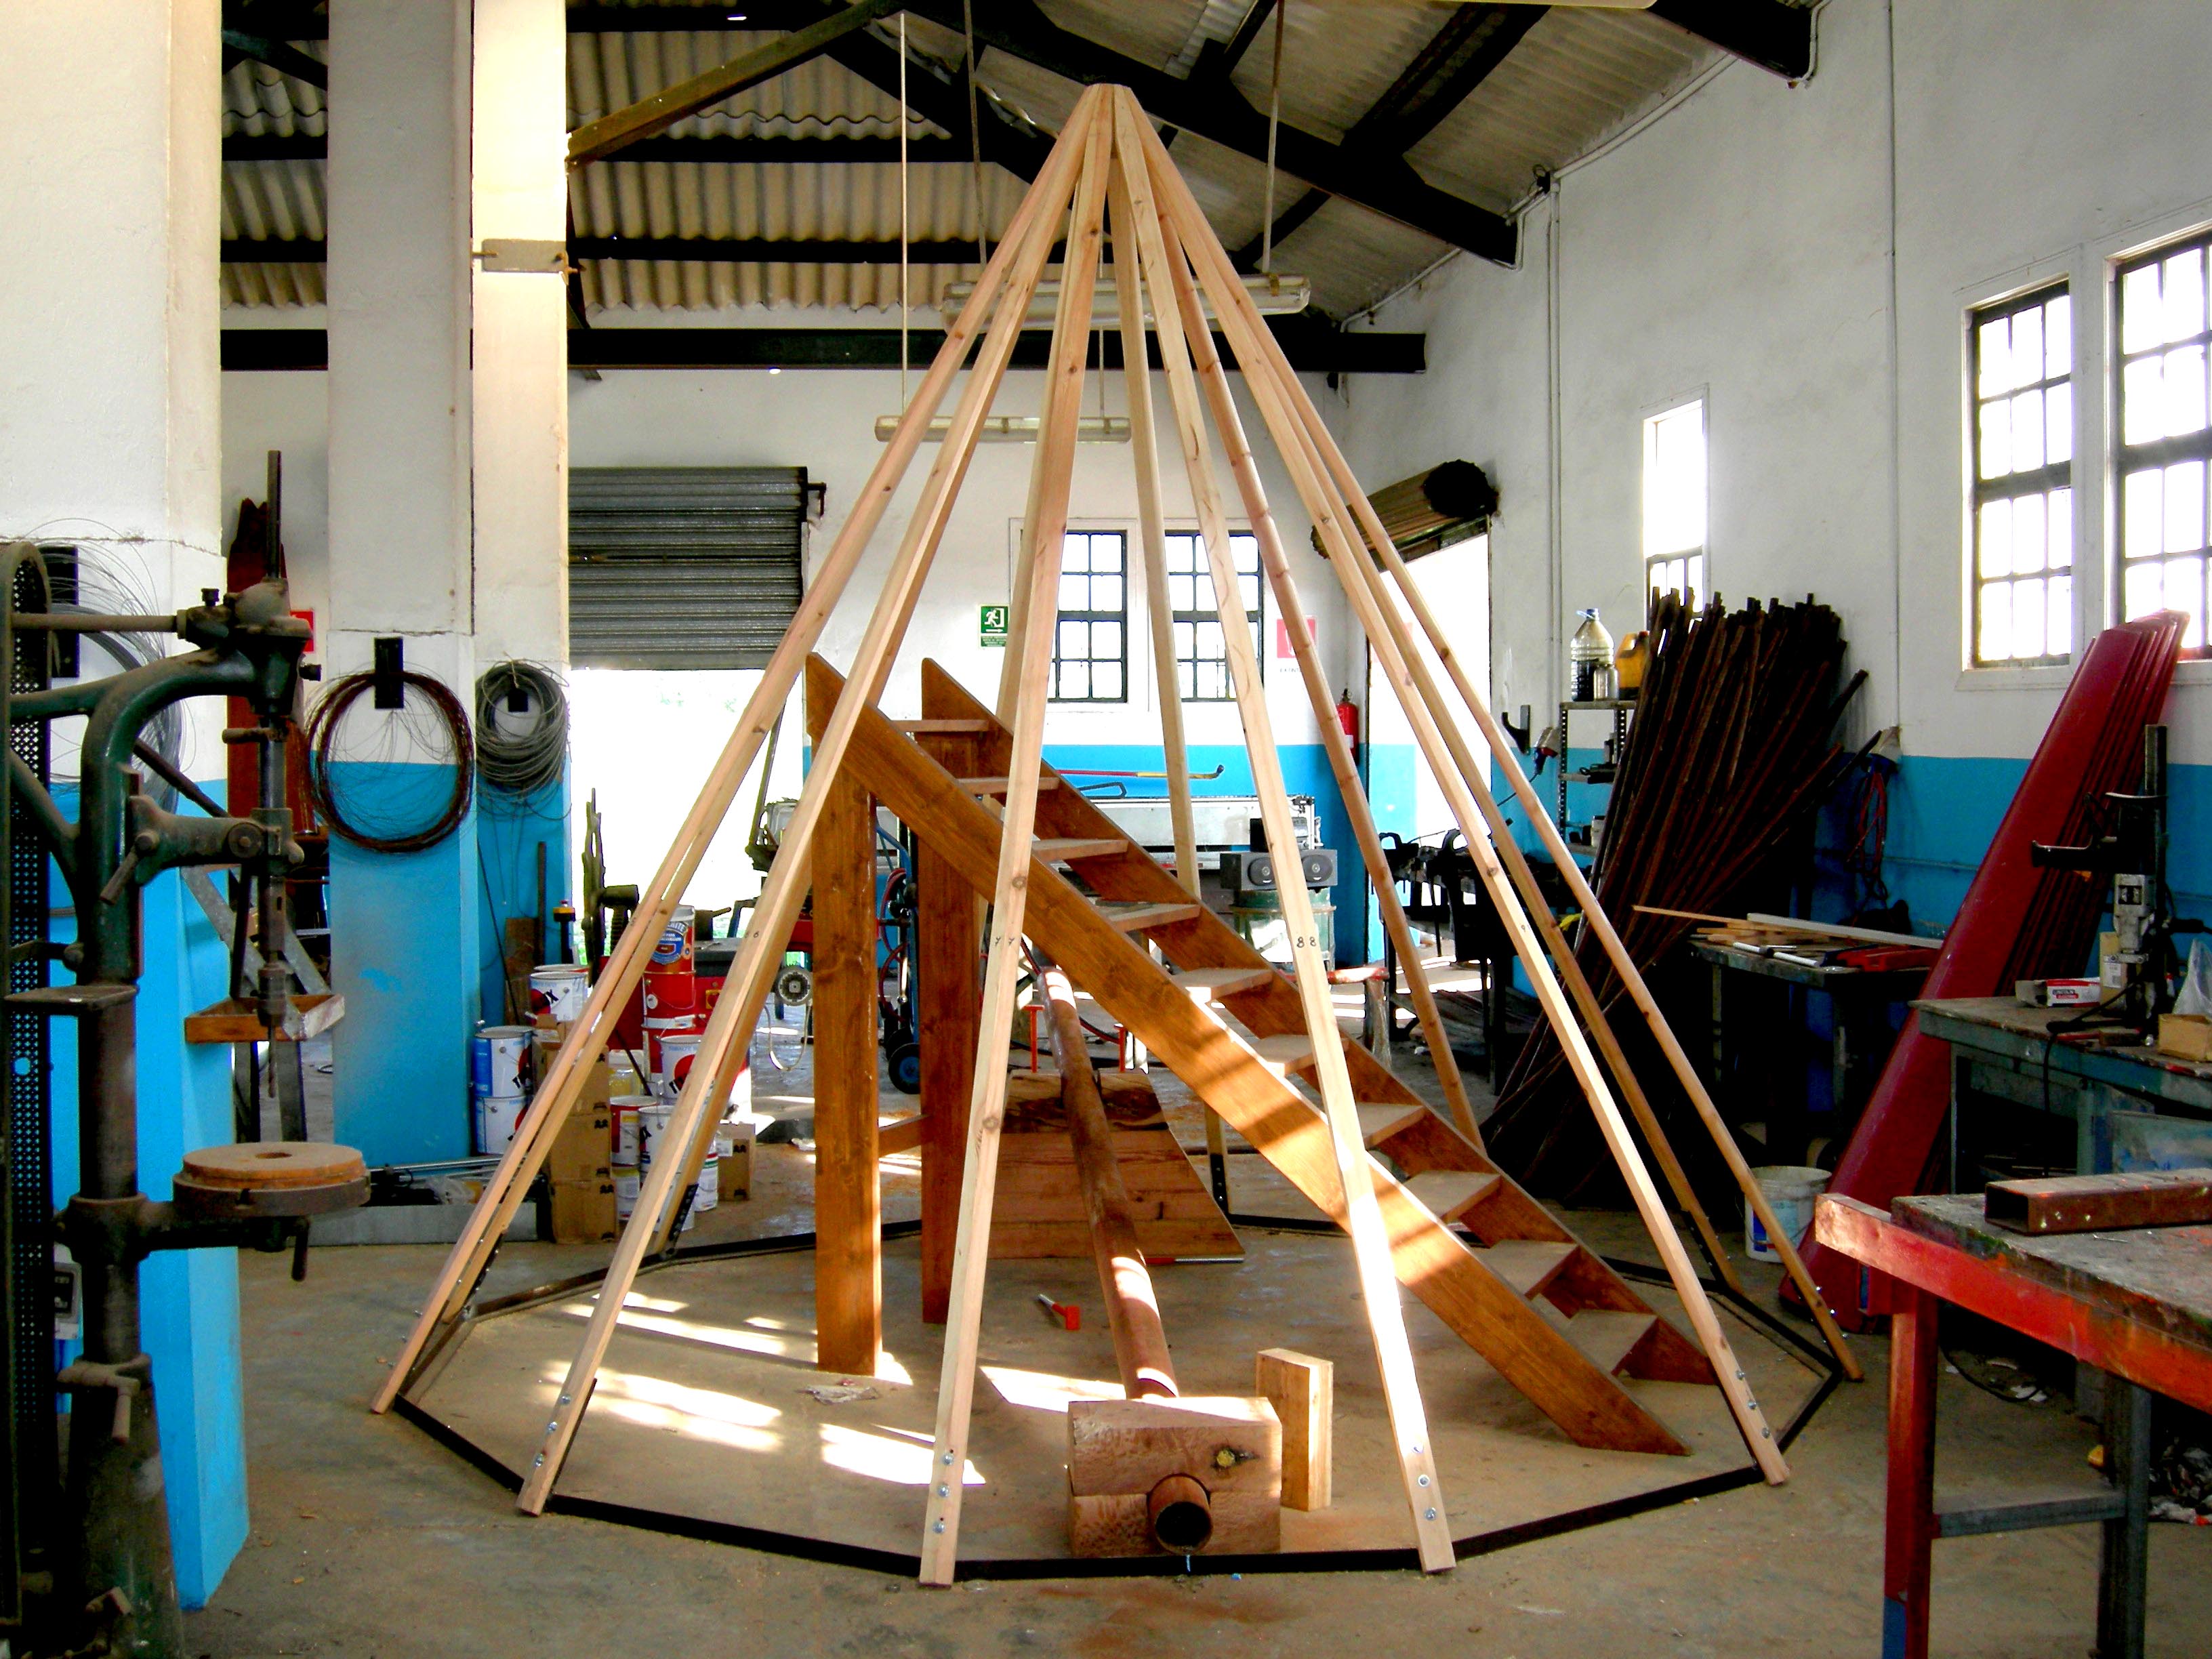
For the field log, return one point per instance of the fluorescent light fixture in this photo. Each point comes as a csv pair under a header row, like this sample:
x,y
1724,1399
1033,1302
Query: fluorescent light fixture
x,y
1273,296
1015,429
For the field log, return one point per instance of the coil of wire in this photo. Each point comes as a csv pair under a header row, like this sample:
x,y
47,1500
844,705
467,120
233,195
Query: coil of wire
x,y
430,717
522,727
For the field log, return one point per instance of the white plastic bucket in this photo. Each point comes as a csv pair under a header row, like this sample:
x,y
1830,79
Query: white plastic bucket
x,y
710,1186
559,989
496,1118
626,1181
499,1056
1790,1190
623,1110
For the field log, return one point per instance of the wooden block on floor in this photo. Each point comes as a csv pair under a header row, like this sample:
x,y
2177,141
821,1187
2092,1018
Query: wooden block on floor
x,y
1118,1523
1120,1450
1303,1390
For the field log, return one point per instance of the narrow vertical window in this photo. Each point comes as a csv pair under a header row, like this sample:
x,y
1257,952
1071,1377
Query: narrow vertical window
x,y
2021,541
1675,501
1090,643
1202,650
2165,449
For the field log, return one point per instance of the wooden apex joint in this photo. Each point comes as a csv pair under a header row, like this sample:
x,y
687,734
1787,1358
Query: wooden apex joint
x,y
1195,1476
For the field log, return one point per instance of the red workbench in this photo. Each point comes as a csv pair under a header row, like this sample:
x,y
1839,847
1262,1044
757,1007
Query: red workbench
x,y
2137,1305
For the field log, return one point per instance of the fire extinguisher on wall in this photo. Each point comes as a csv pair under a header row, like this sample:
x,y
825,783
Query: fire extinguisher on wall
x,y
1347,716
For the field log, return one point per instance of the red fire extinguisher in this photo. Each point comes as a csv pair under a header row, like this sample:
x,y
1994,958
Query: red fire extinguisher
x,y
1347,716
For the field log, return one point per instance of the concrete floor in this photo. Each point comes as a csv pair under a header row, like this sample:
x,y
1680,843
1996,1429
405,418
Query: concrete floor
x,y
370,1540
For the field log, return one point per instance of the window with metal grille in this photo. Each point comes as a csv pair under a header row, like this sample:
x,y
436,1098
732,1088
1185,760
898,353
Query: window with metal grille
x,y
2020,546
1202,650
1674,500
1090,641
683,567
2166,442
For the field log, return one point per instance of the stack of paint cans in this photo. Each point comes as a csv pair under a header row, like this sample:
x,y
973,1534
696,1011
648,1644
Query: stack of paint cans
x,y
499,1064
558,991
623,1112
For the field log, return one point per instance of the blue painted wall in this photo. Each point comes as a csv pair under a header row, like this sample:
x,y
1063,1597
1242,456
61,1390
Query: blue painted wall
x,y
405,929
190,1315
509,831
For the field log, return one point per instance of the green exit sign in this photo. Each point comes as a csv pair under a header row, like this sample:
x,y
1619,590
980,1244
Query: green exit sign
x,y
992,624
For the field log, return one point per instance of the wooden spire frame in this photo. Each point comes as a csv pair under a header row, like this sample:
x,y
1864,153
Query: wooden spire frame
x,y
1109,162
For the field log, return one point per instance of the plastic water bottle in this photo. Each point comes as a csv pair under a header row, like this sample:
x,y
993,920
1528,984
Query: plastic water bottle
x,y
1589,656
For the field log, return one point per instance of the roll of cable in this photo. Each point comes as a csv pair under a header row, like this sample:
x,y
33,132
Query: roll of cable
x,y
392,810
522,728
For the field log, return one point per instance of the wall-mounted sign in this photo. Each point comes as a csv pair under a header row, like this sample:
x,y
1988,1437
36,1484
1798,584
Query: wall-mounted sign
x,y
992,624
1282,652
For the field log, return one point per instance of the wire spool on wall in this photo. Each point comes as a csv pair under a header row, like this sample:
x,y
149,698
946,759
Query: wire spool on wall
x,y
407,805
522,728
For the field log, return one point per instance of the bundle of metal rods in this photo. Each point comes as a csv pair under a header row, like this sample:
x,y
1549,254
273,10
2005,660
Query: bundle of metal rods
x,y
1731,747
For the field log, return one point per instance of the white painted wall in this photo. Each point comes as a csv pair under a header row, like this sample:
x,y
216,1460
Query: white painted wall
x,y
1805,258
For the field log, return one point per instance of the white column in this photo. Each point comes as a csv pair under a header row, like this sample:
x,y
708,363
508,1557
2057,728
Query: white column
x,y
405,929
521,361
110,428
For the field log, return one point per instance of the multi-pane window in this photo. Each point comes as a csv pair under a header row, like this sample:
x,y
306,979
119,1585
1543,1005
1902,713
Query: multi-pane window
x,y
2023,489
1089,645
1201,650
1674,500
2165,439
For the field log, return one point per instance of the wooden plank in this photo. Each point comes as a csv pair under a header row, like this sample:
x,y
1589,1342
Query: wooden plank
x,y
998,785
938,728
1370,1244
2096,1203
1451,1193
1281,1125
1294,425
1067,849
901,1134
1228,1442
1140,917
949,1004
559,1090
1213,984
1608,1335
233,1021
1526,1264
848,1267
1023,688
1302,1391
722,1048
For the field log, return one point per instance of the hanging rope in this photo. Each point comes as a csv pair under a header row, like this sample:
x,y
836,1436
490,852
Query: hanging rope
x,y
1274,121
974,135
431,713
905,303
520,751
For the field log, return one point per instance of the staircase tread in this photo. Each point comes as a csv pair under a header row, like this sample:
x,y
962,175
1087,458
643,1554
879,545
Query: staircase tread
x,y
1446,1192
1133,916
989,785
1526,1263
1607,1334
1055,850
1285,1048
1376,1117
1211,984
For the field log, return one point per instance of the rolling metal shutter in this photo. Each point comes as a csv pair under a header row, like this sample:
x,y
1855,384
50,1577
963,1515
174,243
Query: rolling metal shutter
x,y
683,567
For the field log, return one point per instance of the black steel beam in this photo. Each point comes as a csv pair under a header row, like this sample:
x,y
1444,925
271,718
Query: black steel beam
x,y
1220,113
1312,345
1218,59
725,251
940,96
725,147
1776,37
281,55
274,251
1475,41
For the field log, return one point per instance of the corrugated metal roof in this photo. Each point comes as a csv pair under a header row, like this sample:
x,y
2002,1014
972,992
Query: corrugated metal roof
x,y
1576,77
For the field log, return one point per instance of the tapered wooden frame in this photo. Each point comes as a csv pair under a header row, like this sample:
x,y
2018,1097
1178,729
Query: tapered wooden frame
x,y
1106,151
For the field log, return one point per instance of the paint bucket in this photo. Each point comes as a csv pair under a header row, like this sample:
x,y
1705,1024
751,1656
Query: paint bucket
x,y
622,1111
1790,1190
710,1187
558,991
674,949
670,993
678,1050
626,1184
495,1117
656,1032
499,1057
652,1127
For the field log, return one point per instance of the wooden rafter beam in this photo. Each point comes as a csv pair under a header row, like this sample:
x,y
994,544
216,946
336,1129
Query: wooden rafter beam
x,y
719,149
1221,114
1474,41
649,116
1776,37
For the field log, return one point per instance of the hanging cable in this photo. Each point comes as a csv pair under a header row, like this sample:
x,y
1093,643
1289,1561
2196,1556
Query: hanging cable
x,y
522,728
974,135
430,718
1274,121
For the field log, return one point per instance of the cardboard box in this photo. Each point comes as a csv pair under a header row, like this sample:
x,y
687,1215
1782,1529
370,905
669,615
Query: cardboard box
x,y
585,1147
2058,993
2185,1036
736,1173
583,1212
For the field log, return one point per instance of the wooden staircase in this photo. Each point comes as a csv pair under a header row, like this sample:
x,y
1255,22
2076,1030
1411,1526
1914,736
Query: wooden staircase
x,y
1494,1264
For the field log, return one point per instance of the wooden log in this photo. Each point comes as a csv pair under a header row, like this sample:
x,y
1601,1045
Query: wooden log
x,y
1160,258
849,1269
560,1089
1132,1312
2092,1203
1302,1391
